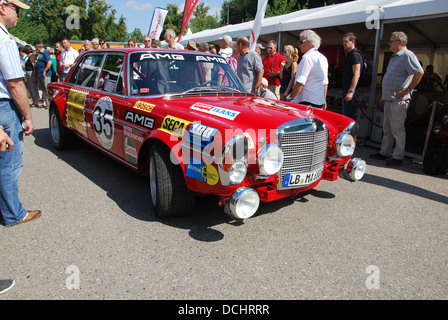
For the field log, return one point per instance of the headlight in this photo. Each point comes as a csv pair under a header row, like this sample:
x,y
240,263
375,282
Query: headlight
x,y
270,159
358,168
352,129
345,144
243,203
445,119
233,161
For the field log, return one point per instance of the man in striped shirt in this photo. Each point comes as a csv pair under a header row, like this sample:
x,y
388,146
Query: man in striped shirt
x,y
15,117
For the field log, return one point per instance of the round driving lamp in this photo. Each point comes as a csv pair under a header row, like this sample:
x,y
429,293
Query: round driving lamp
x,y
270,159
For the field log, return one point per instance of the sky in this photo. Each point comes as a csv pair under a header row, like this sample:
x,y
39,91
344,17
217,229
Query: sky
x,y
138,13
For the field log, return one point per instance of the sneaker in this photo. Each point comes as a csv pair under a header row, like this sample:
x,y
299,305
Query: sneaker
x,y
394,162
378,156
5,285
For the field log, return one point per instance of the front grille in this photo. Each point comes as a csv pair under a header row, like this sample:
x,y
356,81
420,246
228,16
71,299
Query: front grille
x,y
304,151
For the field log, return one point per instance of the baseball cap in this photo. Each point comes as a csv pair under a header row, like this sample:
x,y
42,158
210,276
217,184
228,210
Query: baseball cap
x,y
16,3
259,45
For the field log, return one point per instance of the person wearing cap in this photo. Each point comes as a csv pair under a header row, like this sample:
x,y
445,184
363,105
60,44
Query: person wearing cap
x,y
15,117
259,48
42,67
226,47
191,46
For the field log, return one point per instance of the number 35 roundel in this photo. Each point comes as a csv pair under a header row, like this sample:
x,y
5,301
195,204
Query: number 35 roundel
x,y
103,124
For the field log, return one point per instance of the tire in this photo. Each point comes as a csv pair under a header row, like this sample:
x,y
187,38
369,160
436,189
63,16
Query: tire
x,y
61,137
169,193
436,158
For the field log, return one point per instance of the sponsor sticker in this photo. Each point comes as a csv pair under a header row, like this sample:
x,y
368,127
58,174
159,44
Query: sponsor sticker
x,y
201,135
139,119
75,110
144,106
174,126
130,151
216,111
204,172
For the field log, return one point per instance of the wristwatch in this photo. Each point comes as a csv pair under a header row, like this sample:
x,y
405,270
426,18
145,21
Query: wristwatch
x,y
351,91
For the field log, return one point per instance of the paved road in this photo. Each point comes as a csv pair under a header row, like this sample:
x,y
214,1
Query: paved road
x,y
382,238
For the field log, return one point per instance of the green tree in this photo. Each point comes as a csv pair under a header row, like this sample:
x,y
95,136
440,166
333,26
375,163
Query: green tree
x,y
201,20
173,19
137,35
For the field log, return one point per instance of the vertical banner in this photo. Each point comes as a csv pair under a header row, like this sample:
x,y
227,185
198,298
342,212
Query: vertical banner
x,y
190,5
158,19
261,10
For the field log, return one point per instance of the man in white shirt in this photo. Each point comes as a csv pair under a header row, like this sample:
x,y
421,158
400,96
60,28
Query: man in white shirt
x,y
311,82
226,47
170,38
68,57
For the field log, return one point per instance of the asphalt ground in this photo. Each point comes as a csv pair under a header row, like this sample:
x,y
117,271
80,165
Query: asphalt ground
x,y
382,238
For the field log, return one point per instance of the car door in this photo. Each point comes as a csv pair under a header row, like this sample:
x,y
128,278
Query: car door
x,y
105,103
82,81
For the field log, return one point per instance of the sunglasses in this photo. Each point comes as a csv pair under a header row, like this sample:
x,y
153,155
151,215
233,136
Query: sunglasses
x,y
146,40
101,43
17,9
302,41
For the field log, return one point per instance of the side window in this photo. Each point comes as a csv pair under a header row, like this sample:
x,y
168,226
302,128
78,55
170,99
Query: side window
x,y
87,70
111,78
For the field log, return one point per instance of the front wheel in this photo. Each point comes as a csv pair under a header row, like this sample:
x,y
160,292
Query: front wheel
x,y
169,193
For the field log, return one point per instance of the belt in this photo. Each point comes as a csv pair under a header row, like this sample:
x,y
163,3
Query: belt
x,y
5,99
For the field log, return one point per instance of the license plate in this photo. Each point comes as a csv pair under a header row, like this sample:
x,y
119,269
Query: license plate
x,y
301,179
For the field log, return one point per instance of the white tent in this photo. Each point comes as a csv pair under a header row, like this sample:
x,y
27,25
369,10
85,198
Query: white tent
x,y
373,21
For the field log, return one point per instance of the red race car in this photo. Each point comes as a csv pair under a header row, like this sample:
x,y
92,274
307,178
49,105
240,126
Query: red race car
x,y
184,119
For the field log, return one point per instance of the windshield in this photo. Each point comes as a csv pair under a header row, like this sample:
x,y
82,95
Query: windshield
x,y
156,73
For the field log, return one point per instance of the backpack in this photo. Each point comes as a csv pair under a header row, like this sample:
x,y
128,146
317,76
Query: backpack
x,y
366,71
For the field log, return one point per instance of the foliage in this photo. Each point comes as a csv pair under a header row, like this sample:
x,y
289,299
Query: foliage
x,y
201,20
47,20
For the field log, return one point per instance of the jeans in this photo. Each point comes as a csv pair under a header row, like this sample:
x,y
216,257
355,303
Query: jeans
x,y
11,165
349,107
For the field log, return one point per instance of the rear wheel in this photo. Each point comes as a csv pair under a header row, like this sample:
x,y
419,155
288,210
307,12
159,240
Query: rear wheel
x,y
60,136
169,193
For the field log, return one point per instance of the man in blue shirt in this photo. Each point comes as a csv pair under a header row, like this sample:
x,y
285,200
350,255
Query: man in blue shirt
x,y
42,66
350,75
403,74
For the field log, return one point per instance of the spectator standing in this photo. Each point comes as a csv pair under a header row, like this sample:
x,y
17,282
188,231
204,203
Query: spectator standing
x,y
259,48
147,41
42,68
103,44
288,70
31,80
15,117
132,43
23,58
311,81
403,74
87,45
351,74
59,48
191,46
271,66
156,44
68,57
250,67
226,47
95,44
54,64
170,38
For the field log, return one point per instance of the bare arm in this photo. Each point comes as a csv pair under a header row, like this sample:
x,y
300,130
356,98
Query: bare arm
x,y
18,92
